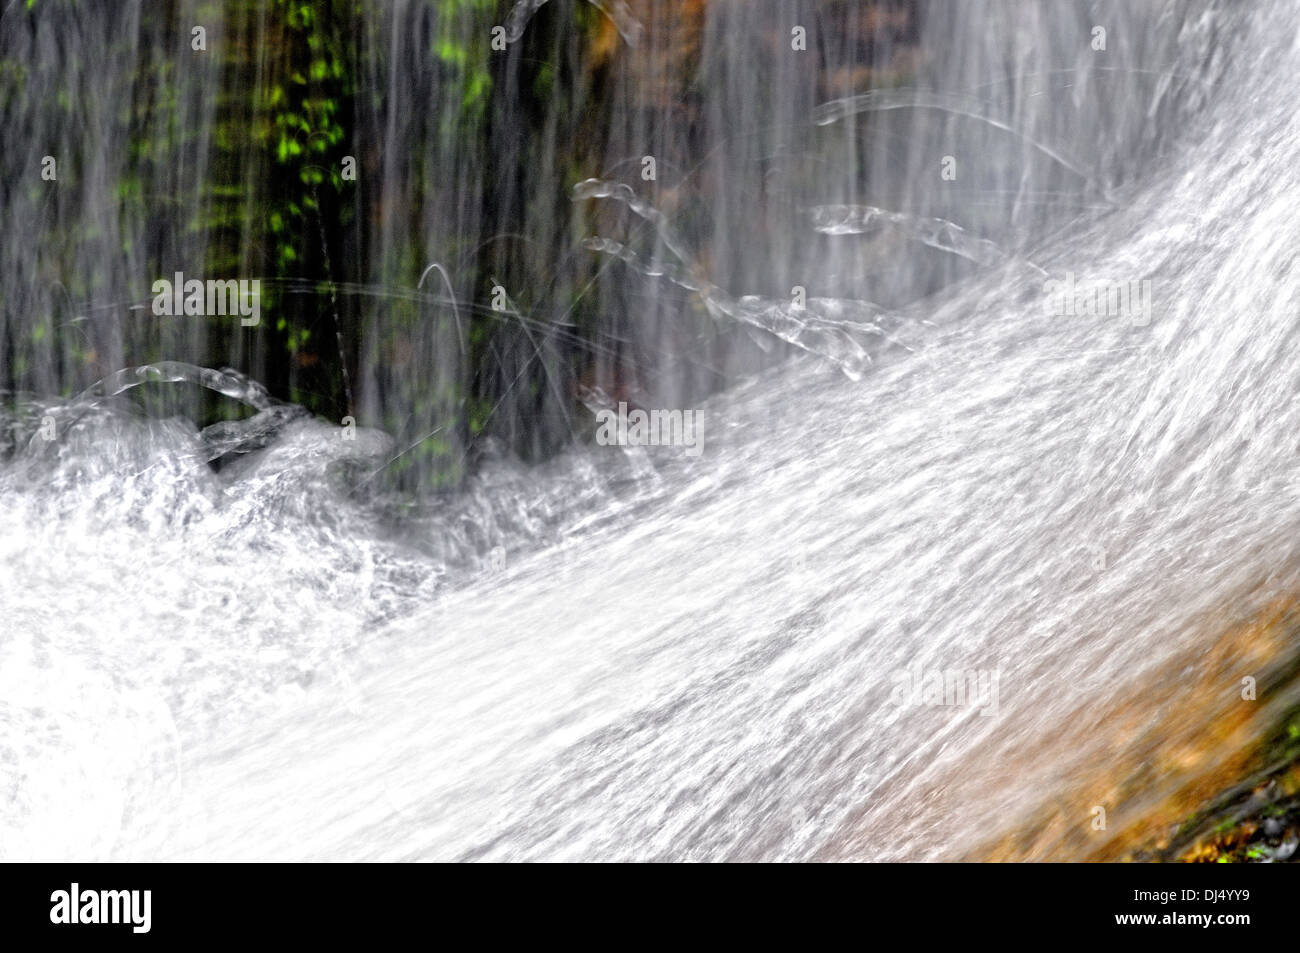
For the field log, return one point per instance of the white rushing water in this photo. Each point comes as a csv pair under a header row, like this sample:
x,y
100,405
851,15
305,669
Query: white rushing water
x,y
632,653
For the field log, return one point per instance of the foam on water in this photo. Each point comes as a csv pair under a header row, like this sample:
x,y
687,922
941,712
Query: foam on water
x,y
632,654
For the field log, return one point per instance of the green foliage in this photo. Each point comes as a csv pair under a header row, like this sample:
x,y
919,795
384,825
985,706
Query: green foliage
x,y
283,86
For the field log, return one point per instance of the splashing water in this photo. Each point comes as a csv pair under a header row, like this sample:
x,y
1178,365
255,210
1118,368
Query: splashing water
x,y
628,653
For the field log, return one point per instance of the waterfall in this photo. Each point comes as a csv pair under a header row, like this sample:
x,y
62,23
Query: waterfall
x,y
988,312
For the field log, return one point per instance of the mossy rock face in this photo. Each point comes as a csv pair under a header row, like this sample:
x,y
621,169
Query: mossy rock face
x,y
334,149
1263,826
1257,821
1192,760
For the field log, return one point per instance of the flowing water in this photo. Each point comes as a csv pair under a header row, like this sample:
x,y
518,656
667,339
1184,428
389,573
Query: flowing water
x,y
637,653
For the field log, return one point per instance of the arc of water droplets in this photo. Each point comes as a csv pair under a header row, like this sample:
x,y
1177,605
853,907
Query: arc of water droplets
x,y
617,10
221,437
935,232
228,382
838,330
879,100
